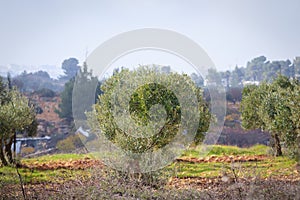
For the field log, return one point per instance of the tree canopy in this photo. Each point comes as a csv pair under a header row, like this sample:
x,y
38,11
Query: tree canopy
x,y
16,115
259,69
273,108
70,67
144,108
83,81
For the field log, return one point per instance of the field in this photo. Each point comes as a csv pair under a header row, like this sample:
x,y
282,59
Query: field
x,y
227,172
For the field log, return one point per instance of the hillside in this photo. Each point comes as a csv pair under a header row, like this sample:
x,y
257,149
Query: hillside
x,y
234,134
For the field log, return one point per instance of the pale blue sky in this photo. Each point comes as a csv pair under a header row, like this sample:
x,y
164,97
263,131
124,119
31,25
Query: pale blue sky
x,y
35,32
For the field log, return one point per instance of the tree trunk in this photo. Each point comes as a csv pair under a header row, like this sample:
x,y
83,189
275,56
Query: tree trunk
x,y
8,150
2,155
277,146
15,151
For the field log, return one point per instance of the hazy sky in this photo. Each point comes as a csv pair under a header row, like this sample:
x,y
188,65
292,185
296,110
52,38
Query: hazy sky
x,y
35,32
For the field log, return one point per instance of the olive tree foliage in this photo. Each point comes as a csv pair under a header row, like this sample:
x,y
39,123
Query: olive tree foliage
x,y
16,115
293,103
251,100
142,106
271,107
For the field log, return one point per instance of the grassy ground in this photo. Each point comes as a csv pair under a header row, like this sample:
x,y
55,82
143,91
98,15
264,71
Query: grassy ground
x,y
191,176
9,174
269,166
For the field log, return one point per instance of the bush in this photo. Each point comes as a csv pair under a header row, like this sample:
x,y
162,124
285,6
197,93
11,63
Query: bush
x,y
70,143
27,150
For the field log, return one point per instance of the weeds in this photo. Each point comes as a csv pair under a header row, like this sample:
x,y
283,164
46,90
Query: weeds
x,y
272,178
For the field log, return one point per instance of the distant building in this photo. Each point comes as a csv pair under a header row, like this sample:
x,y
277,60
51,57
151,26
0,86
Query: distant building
x,y
83,132
29,142
250,83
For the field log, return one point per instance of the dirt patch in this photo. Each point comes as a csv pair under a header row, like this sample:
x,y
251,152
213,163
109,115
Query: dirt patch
x,y
70,164
227,159
190,188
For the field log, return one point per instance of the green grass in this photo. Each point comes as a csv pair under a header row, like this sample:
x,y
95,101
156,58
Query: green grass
x,y
189,170
275,167
221,150
56,157
281,166
9,174
233,150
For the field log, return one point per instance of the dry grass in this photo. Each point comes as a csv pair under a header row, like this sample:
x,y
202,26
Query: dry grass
x,y
272,178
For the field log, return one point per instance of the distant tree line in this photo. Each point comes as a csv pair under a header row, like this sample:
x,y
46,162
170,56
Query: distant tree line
x,y
31,82
258,69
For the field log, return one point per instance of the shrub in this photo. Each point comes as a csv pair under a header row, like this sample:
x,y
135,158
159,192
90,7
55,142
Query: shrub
x,y
27,150
70,143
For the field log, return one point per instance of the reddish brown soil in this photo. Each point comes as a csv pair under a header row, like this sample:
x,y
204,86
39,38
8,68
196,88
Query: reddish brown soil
x,y
227,159
70,164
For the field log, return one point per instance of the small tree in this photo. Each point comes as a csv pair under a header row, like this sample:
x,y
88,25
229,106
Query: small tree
x,y
290,118
272,107
15,116
70,67
252,98
65,106
83,81
144,108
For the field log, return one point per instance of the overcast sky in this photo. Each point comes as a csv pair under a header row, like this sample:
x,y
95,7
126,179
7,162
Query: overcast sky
x,y
232,32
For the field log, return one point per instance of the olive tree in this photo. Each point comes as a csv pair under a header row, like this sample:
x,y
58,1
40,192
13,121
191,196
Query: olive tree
x,y
252,97
272,107
144,107
293,116
15,116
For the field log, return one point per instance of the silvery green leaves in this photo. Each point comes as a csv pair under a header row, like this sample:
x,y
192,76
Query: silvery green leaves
x,y
145,114
15,115
148,115
273,107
